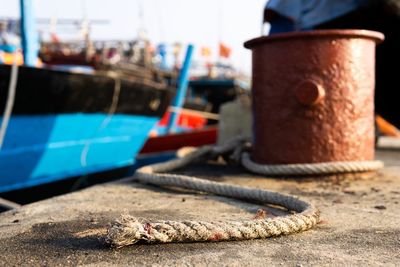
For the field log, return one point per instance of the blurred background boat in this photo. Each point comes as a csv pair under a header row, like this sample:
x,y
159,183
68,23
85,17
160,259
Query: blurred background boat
x,y
198,117
66,124
83,111
62,120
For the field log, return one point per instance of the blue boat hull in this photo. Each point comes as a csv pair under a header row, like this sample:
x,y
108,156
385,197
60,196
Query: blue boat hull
x,y
43,149
67,124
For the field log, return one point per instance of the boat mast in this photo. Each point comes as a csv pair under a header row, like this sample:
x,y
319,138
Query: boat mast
x,y
29,34
183,83
220,22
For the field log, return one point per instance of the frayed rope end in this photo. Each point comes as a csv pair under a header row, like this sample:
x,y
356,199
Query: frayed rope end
x,y
126,231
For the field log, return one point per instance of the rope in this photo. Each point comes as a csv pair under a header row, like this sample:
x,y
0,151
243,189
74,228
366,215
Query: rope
x,y
10,100
129,230
106,121
311,168
8,205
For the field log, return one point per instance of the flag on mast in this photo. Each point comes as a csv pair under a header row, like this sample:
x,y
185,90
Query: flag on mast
x,y
224,50
206,51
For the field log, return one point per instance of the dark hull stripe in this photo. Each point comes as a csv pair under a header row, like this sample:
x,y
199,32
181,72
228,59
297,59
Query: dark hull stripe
x,y
45,91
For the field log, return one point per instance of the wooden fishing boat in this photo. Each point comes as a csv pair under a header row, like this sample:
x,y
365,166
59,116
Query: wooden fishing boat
x,y
213,92
162,148
66,124
196,125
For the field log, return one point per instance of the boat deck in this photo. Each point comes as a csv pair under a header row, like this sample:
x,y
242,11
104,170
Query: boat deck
x,y
360,226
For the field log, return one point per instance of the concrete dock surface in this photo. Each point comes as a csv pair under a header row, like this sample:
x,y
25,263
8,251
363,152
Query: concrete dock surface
x,y
360,222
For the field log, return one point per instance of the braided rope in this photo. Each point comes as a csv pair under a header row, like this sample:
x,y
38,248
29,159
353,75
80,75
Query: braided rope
x,y
128,230
310,168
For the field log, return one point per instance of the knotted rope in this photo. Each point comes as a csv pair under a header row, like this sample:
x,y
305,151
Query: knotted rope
x,y
128,230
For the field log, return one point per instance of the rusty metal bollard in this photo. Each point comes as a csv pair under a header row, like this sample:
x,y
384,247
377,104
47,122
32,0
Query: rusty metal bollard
x,y
313,96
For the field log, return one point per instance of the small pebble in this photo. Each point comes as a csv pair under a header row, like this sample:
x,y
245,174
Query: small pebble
x,y
348,191
338,201
380,207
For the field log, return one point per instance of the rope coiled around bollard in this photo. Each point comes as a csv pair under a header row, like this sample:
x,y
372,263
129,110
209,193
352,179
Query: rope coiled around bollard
x,y
310,168
128,230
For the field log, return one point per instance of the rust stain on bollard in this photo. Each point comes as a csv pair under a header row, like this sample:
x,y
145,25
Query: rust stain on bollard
x,y
313,96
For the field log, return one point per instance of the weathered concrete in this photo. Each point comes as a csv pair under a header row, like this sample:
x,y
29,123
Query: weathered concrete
x,y
361,223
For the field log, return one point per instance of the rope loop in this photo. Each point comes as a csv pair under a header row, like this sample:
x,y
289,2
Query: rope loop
x,y
129,230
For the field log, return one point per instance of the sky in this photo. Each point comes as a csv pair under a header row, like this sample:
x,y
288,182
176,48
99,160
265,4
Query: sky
x,y
200,22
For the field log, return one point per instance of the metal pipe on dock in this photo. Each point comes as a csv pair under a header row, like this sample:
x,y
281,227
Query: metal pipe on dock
x,y
183,83
29,34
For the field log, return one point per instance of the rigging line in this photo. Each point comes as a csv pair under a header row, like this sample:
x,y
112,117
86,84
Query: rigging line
x,y
220,19
8,205
160,20
106,121
142,24
10,99
84,8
